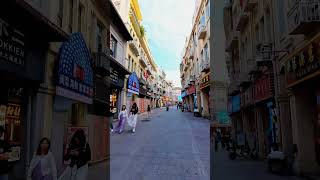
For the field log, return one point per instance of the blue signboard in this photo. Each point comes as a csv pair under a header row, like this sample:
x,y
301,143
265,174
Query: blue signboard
x,y
179,98
236,103
183,94
75,75
133,84
223,118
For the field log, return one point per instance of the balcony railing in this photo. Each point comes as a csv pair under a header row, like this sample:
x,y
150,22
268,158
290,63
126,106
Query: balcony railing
x,y
134,46
232,40
249,5
241,19
205,66
202,31
304,16
191,52
142,58
101,63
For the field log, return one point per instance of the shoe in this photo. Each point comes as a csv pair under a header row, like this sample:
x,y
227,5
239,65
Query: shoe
x,y
112,130
133,130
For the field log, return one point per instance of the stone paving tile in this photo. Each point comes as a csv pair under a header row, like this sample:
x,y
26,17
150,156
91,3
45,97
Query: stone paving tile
x,y
173,145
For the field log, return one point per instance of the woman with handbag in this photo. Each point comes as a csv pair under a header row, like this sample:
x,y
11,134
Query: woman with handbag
x,y
43,166
79,155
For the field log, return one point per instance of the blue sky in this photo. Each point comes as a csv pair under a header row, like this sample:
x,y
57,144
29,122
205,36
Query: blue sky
x,y
167,24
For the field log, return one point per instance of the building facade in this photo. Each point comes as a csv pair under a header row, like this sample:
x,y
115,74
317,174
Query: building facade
x,y
71,81
273,52
195,66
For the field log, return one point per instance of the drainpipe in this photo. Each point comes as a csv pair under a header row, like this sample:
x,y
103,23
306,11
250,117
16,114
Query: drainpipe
x,y
29,117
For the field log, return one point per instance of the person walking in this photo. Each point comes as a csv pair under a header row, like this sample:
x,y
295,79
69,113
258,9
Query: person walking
x,y
122,117
133,117
4,156
43,166
149,112
78,155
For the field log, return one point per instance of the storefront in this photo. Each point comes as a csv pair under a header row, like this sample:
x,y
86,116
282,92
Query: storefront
x,y
266,125
302,69
204,93
76,101
191,97
234,113
22,70
133,90
117,76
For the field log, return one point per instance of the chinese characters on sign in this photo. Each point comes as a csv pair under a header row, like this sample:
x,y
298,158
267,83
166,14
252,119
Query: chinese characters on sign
x,y
12,47
75,75
205,81
114,76
304,63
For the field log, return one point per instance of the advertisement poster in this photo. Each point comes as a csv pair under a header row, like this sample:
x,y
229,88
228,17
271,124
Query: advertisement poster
x,y
70,132
15,154
195,102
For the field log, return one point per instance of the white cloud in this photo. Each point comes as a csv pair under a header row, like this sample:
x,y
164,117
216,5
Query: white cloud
x,y
167,24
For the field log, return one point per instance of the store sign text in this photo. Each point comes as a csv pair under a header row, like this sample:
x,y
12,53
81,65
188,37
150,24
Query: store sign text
x,y
304,63
114,76
12,45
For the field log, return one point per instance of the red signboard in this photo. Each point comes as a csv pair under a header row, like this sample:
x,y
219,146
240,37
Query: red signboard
x,y
191,90
262,88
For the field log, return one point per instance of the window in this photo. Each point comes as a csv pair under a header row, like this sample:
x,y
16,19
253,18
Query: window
x,y
113,46
80,17
99,38
206,52
60,13
208,10
281,17
70,16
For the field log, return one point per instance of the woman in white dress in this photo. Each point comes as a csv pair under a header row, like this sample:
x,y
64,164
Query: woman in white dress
x,y
43,166
133,117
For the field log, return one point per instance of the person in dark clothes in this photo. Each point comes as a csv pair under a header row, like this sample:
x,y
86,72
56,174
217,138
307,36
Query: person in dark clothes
x,y
149,111
79,155
4,157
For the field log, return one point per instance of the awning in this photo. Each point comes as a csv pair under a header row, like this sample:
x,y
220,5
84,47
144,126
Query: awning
x,y
36,26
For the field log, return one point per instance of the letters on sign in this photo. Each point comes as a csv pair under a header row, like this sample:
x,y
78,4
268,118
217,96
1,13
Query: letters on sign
x,y
304,63
12,44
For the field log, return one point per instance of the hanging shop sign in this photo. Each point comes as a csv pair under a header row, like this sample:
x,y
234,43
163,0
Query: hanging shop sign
x,y
114,75
305,63
205,81
191,90
75,75
12,44
235,103
262,89
223,118
133,84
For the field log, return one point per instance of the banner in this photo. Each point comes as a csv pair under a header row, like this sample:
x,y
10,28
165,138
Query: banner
x,y
75,75
133,84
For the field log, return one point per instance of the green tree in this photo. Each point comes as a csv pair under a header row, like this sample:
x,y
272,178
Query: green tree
x,y
142,31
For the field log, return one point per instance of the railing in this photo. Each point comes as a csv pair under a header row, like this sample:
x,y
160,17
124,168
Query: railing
x,y
205,65
303,16
100,60
202,31
249,5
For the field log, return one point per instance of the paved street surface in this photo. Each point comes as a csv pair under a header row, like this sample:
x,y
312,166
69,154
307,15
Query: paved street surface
x,y
241,169
172,146
99,171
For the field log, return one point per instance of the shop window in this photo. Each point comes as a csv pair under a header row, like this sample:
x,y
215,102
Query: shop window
x,y
113,46
99,38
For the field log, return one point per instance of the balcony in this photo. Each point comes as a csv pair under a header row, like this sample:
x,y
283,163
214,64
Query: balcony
x,y
304,17
205,66
249,5
191,53
241,19
244,79
149,69
134,46
101,63
142,59
202,31
232,40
